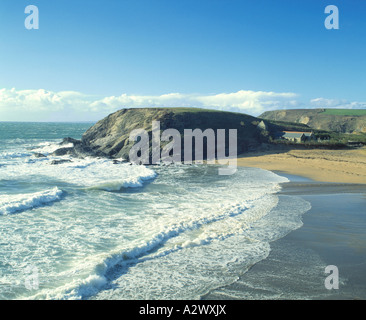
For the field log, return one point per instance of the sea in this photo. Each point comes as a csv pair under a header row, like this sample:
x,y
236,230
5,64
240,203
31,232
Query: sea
x,y
95,229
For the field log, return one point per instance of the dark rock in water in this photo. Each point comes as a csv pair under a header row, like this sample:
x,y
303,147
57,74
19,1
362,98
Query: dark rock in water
x,y
39,155
79,150
64,151
69,140
54,162
76,150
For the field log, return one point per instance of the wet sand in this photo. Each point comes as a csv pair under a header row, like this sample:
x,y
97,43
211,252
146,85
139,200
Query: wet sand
x,y
332,234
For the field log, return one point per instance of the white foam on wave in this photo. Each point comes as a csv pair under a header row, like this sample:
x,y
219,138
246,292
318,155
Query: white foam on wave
x,y
17,150
50,147
13,155
105,264
213,233
183,221
131,181
103,174
198,269
10,204
89,173
189,229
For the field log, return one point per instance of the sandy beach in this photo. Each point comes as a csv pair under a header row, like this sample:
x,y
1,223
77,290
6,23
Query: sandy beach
x,y
346,166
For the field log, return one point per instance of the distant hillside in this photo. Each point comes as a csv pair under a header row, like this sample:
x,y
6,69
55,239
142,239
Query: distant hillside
x,y
337,120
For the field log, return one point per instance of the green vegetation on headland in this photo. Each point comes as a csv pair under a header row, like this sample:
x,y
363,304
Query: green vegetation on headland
x,y
332,120
333,128
346,139
346,112
328,140
110,137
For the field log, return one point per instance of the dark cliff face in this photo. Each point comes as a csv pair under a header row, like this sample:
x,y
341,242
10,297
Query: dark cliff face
x,y
110,136
322,119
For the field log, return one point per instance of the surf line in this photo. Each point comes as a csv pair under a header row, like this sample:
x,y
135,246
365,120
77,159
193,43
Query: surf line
x,y
171,151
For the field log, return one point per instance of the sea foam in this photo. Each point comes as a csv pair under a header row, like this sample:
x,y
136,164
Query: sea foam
x,y
10,204
164,241
88,173
13,155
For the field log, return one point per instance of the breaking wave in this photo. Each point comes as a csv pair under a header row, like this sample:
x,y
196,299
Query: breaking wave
x,y
10,204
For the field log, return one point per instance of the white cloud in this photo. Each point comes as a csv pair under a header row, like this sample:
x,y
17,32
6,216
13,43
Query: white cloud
x,y
29,99
252,102
135,101
337,103
43,105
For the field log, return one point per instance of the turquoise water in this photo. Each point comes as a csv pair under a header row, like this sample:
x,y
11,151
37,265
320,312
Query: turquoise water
x,y
91,229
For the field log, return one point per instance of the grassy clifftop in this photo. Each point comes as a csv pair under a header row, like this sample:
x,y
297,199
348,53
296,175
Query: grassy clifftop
x,y
336,120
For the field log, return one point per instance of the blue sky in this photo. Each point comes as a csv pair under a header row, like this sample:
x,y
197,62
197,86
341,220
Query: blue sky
x,y
90,58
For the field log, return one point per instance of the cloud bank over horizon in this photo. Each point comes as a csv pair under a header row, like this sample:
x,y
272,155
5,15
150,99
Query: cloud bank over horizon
x,y
43,105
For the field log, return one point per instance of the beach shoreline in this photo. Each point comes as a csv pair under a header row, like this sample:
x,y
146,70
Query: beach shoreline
x,y
341,166
331,234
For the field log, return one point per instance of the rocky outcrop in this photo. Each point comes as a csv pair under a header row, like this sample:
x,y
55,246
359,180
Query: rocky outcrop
x,y
39,155
110,137
78,150
55,162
